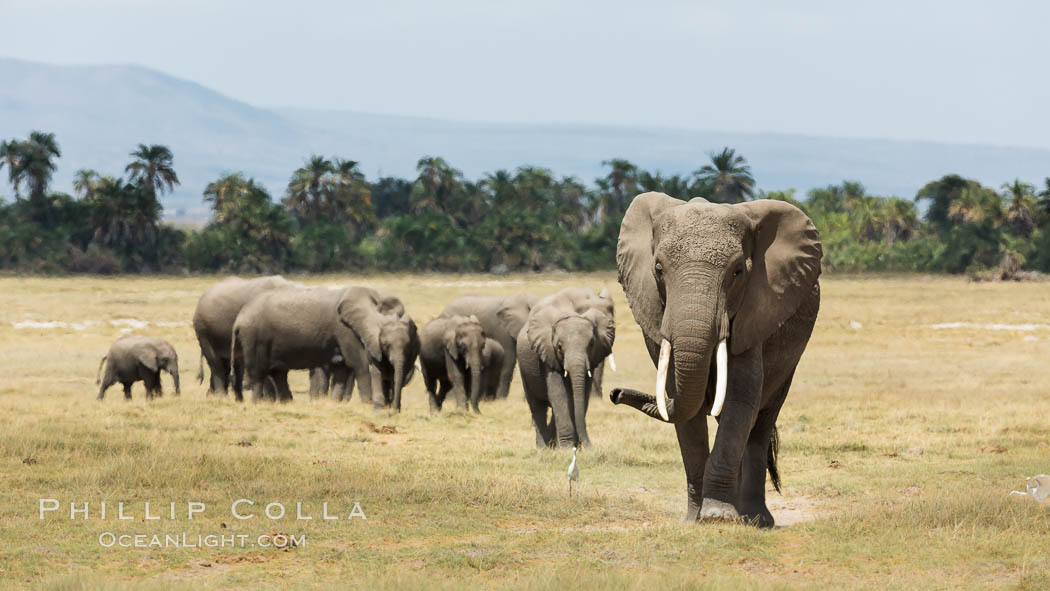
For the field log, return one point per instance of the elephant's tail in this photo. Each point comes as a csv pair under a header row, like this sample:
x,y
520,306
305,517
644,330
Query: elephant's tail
x,y
233,346
200,368
771,460
98,374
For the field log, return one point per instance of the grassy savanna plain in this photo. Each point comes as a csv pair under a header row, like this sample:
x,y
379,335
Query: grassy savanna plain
x,y
900,443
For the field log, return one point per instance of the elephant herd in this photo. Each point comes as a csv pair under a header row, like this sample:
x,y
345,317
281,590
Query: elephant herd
x,y
726,297
252,332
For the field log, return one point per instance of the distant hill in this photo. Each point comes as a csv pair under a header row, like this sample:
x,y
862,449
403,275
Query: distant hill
x,y
100,113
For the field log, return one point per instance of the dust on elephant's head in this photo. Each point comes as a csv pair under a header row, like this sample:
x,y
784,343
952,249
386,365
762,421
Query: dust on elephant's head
x,y
698,273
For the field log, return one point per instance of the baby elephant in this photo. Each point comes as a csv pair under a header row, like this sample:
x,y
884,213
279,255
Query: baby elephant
x,y
133,358
454,347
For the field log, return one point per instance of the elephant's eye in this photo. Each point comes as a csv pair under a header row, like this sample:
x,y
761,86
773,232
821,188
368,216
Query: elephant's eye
x,y
739,270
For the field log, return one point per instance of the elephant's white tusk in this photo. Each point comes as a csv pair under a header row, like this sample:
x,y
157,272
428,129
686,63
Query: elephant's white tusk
x,y
565,373
612,362
661,378
589,374
721,370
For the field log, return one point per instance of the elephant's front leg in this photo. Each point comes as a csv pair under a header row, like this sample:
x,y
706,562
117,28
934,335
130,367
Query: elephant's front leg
x,y
342,382
561,408
722,473
459,386
318,382
695,447
379,401
506,371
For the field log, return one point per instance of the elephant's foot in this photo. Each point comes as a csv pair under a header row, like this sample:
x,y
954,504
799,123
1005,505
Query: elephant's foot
x,y
692,513
714,510
761,518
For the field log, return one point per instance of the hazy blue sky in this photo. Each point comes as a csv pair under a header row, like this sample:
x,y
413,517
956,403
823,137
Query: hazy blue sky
x,y
954,71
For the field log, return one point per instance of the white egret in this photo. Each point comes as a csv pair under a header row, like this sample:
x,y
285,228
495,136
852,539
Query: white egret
x,y
574,474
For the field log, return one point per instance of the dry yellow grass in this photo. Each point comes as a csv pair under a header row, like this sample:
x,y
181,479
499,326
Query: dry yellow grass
x,y
893,477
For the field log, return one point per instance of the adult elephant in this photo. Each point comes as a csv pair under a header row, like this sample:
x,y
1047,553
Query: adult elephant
x,y
728,289
502,319
133,358
301,328
213,322
454,347
566,337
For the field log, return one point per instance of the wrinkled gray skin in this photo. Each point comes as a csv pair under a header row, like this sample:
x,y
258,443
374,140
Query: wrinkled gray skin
x,y
568,335
213,322
133,358
695,273
457,355
502,318
289,329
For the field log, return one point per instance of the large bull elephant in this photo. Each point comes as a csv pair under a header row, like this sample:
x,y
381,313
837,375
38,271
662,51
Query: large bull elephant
x,y
567,336
454,347
133,358
502,319
213,322
301,328
728,289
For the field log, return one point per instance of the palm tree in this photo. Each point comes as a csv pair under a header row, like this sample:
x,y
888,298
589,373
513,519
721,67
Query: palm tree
x,y
84,182
11,154
899,219
123,214
620,186
152,169
976,205
437,184
1022,208
675,185
727,179
942,193
304,195
1044,201
226,195
349,197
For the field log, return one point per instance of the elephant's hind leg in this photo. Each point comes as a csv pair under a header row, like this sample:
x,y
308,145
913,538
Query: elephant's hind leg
x,y
127,390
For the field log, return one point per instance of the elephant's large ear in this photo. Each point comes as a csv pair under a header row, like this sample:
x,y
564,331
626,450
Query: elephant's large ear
x,y
358,310
604,330
449,337
785,265
148,358
414,343
540,329
634,260
514,312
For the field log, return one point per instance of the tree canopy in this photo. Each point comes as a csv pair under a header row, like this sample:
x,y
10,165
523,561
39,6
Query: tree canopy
x,y
332,218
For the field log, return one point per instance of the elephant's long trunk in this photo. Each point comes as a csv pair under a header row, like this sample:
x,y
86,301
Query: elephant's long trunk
x,y
98,374
694,324
174,371
578,376
475,380
399,376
